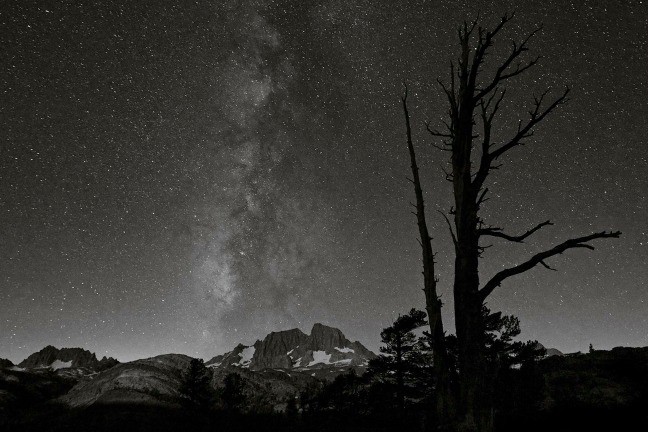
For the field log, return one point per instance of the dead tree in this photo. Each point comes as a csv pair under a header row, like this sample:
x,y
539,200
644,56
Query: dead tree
x,y
443,392
474,102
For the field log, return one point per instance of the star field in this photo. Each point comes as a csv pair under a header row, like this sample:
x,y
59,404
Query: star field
x,y
183,176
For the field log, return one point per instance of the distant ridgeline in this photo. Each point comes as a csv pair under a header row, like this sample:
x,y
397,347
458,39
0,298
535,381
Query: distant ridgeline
x,y
283,364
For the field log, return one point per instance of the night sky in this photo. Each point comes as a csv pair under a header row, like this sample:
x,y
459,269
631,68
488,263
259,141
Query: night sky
x,y
183,176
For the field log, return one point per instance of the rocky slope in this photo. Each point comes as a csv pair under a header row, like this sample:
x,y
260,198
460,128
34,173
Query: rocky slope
x,y
157,381
54,358
268,387
27,387
152,381
325,348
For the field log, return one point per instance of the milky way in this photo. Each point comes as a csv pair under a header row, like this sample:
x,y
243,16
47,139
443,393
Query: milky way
x,y
184,176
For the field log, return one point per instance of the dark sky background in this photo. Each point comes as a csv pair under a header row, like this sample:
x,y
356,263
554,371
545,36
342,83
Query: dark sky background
x,y
183,176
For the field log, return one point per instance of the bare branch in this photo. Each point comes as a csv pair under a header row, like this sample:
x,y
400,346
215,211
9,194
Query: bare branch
x,y
482,249
545,265
484,42
536,116
482,198
496,232
436,133
520,68
448,175
438,147
580,242
487,122
454,238
503,72
449,92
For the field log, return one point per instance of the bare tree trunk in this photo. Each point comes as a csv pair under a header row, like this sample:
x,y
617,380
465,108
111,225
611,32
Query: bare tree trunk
x,y
466,277
443,387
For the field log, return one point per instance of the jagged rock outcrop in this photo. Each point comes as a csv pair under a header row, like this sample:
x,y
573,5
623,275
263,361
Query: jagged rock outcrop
x,y
325,347
54,358
273,351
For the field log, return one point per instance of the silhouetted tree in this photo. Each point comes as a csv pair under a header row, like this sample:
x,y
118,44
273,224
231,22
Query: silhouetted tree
x,y
308,397
502,352
403,357
232,393
196,386
343,394
291,407
474,102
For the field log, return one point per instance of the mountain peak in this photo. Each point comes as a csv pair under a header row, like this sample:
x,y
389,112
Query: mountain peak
x,y
293,349
318,326
55,358
325,337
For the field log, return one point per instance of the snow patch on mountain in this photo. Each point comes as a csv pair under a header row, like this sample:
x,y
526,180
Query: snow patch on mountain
x,y
345,350
58,364
320,357
246,356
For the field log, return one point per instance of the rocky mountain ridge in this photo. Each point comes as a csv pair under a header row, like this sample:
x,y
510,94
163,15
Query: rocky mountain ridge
x,y
54,358
325,347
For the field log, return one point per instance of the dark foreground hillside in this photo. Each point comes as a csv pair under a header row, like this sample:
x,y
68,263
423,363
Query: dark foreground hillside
x,y
601,390
123,418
